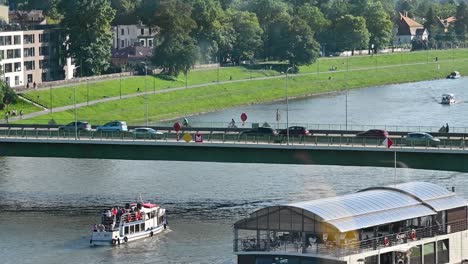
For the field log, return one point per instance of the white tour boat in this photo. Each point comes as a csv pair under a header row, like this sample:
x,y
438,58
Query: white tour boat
x,y
414,222
448,99
135,221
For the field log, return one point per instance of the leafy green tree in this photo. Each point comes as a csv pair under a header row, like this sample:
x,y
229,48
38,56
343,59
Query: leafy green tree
x,y
125,11
303,49
379,25
313,16
7,95
87,25
351,33
461,24
431,22
175,54
247,35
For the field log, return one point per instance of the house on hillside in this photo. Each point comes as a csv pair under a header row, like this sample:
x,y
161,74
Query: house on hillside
x,y
133,55
447,22
130,35
407,30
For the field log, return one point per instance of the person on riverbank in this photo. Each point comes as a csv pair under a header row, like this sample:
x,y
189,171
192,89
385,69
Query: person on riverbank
x,y
6,117
186,122
446,128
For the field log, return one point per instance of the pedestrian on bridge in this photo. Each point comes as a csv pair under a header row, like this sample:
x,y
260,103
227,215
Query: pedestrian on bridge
x,y
446,128
6,116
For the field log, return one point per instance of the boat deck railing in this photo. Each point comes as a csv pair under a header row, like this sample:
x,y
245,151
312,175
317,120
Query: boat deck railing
x,y
346,247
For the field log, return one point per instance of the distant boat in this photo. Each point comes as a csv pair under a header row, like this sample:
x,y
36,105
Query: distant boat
x,y
448,99
454,75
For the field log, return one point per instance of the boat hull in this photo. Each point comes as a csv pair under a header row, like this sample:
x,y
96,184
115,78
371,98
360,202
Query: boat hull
x,y
114,238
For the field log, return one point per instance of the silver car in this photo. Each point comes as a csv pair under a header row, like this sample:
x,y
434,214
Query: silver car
x,y
421,139
113,126
147,133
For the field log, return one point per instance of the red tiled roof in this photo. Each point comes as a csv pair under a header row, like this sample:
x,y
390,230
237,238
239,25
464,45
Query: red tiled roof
x,y
410,22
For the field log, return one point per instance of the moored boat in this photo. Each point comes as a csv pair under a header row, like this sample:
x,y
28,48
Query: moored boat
x,y
454,75
134,221
414,222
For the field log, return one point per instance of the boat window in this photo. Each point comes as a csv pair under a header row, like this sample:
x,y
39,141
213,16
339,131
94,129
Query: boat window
x,y
371,260
429,253
143,226
132,229
126,230
443,251
137,228
415,257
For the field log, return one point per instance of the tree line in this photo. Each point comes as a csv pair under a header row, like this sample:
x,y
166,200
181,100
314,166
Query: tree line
x,y
232,31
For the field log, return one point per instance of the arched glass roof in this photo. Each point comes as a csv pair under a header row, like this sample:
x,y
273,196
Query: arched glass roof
x,y
381,205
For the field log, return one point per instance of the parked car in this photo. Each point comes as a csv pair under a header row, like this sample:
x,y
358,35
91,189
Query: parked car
x,y
373,133
113,126
80,126
261,131
296,131
421,139
147,133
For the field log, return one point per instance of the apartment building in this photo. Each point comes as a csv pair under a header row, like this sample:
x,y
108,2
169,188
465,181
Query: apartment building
x,y
32,56
133,35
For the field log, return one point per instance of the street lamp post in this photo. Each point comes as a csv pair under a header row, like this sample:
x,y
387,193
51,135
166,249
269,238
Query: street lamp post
x,y
287,106
146,93
76,116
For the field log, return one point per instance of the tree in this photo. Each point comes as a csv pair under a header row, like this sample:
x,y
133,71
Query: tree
x,y
431,22
125,11
175,54
247,35
313,16
7,95
303,49
87,25
379,25
461,23
351,33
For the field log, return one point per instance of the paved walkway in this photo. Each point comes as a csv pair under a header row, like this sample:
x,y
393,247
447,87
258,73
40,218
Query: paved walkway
x,y
169,90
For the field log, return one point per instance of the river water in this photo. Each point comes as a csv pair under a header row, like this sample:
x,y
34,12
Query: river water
x,y
47,206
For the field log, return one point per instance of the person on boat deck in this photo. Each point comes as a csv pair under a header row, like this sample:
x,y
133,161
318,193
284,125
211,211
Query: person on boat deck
x,y
95,228
165,223
114,211
108,213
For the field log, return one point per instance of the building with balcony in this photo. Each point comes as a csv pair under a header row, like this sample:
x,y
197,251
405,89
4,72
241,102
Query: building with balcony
x,y
131,35
414,222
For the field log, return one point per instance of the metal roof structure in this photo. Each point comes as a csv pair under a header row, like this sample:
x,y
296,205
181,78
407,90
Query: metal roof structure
x,y
380,205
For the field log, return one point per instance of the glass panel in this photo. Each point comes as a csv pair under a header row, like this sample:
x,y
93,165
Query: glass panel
x,y
429,253
443,250
415,257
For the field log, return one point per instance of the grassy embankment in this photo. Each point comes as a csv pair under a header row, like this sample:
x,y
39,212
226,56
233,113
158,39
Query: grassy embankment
x,y
363,71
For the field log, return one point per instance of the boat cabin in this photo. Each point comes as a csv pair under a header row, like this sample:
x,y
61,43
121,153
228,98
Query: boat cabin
x,y
413,222
454,75
448,99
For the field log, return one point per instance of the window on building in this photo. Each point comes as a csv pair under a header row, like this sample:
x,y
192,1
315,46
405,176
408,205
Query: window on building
x,y
8,40
142,42
122,32
150,43
2,41
44,76
44,38
29,65
443,251
29,52
429,253
7,80
123,43
10,54
17,82
44,51
2,54
149,29
17,39
8,67
30,78
17,66
142,31
28,39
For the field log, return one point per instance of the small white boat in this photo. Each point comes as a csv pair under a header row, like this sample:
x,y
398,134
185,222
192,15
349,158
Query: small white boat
x,y
448,99
122,225
454,75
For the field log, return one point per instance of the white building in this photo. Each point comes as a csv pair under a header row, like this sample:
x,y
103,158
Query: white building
x,y
130,35
11,52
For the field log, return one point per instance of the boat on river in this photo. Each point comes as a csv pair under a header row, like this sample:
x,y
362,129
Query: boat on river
x,y
448,99
123,225
454,75
415,222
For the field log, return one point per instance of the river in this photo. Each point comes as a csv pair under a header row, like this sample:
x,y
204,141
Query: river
x,y
48,206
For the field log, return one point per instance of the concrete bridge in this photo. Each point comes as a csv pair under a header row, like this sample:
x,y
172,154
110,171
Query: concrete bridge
x,y
226,146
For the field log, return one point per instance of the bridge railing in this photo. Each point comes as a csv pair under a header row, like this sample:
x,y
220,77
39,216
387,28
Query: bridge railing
x,y
234,137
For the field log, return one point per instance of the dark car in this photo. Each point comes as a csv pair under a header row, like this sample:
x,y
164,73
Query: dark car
x,y
296,131
265,131
373,133
80,126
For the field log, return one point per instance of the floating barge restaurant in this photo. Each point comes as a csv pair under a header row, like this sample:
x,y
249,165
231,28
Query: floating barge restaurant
x,y
414,222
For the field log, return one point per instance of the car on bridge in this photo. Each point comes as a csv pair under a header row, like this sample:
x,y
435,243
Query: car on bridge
x,y
421,139
147,133
374,134
80,126
260,131
114,126
295,131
